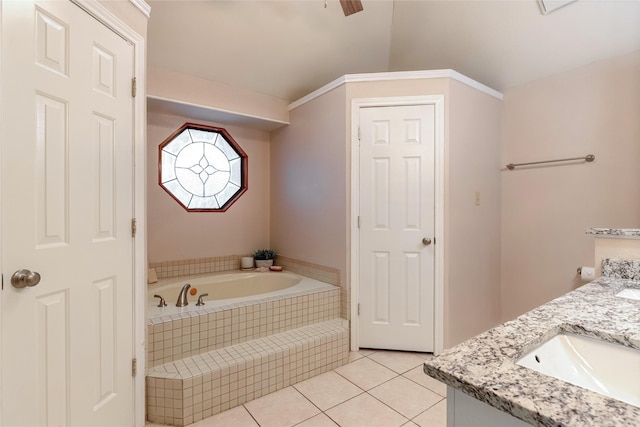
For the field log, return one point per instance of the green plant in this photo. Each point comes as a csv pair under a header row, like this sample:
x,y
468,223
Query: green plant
x,y
262,254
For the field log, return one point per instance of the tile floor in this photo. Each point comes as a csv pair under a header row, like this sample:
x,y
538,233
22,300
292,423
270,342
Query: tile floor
x,y
376,388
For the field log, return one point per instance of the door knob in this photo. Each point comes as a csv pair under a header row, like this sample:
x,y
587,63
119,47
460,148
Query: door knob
x,y
426,241
23,278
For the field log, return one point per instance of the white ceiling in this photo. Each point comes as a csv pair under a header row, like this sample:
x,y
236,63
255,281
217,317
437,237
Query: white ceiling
x,y
290,48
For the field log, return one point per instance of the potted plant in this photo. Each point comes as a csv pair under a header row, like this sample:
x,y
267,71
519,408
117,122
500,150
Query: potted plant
x,y
264,257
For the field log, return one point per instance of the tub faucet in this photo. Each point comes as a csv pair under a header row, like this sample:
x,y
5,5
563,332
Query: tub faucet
x,y
162,302
200,302
182,298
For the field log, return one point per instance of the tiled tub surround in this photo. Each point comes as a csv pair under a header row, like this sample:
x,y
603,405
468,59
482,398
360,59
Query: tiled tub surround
x,y
199,329
213,358
484,367
167,269
186,267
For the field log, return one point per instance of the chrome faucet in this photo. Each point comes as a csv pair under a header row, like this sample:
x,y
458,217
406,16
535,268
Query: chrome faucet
x,y
182,298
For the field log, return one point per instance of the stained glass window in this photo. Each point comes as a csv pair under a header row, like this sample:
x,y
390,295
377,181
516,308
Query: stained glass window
x,y
203,168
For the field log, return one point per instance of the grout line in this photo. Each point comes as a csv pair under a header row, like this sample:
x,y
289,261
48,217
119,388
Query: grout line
x,y
423,386
430,407
248,412
393,409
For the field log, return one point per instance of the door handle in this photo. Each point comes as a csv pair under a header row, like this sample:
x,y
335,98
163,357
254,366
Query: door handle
x,y
426,241
23,278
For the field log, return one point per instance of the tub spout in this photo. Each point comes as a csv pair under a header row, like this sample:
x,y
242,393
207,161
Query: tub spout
x,y
182,298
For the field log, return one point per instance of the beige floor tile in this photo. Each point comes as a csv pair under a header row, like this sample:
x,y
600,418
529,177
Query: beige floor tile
x,y
436,416
354,355
150,424
365,373
236,417
417,375
283,408
320,420
397,361
328,390
410,424
366,351
405,396
365,411
423,356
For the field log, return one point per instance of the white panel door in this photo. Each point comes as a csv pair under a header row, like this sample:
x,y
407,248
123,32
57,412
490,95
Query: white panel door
x,y
67,204
396,265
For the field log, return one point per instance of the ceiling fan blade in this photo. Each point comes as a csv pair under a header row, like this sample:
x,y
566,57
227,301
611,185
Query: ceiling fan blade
x,y
351,6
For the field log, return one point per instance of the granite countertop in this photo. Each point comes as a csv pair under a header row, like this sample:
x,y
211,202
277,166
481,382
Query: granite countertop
x,y
625,233
484,366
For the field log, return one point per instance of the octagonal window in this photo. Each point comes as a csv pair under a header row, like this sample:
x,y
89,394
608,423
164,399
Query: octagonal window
x,y
202,168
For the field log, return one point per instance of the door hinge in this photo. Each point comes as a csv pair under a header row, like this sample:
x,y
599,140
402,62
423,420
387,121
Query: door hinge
x,y
134,367
358,309
3,282
358,133
358,221
134,227
134,87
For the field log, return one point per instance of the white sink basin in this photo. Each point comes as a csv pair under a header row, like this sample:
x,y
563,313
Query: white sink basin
x,y
609,369
631,293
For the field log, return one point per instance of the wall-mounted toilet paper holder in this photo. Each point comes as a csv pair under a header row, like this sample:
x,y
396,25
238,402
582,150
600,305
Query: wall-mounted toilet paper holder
x,y
586,273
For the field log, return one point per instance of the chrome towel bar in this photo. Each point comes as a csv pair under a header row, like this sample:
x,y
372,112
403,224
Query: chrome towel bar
x,y
587,158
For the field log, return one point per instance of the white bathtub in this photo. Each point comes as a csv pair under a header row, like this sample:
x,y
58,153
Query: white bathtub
x,y
227,288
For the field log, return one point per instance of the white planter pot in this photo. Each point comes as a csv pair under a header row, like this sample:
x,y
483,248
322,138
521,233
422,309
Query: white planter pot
x,y
264,263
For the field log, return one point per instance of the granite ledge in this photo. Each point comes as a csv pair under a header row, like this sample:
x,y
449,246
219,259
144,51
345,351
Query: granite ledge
x,y
484,366
615,233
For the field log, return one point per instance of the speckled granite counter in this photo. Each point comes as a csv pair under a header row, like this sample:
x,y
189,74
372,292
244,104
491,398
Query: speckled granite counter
x,y
484,366
625,233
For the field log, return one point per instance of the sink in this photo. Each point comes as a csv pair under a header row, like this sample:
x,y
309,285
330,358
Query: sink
x,y
609,369
631,293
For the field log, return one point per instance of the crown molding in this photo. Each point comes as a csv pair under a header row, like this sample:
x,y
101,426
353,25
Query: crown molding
x,y
397,75
142,6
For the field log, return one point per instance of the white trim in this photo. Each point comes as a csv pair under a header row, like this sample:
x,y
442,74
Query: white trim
x,y
204,112
1,239
142,6
397,75
94,8
438,102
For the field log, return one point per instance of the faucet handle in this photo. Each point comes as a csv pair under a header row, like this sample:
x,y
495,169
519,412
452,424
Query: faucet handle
x,y
200,302
162,302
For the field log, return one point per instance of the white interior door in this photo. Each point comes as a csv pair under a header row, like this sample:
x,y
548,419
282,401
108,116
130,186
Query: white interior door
x,y
396,250
67,205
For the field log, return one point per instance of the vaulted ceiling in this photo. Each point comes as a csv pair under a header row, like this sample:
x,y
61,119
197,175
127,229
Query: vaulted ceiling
x,y
288,48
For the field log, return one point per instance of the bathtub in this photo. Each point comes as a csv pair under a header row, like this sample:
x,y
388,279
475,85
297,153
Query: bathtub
x,y
228,288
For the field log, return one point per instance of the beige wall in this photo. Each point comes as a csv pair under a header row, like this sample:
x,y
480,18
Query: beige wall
x,y
545,211
308,183
175,234
129,14
473,244
310,208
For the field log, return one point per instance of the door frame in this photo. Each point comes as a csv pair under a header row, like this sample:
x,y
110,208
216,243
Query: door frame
x,y
439,170
107,18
